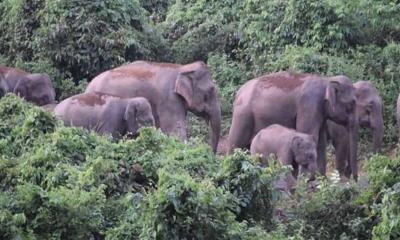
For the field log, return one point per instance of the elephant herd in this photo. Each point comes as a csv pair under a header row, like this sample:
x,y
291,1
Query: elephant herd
x,y
291,115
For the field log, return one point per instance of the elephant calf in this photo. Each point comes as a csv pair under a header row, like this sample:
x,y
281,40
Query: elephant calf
x,y
36,88
106,114
290,147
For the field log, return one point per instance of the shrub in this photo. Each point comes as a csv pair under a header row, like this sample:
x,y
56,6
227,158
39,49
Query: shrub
x,y
196,28
333,212
251,186
383,173
389,212
184,208
70,183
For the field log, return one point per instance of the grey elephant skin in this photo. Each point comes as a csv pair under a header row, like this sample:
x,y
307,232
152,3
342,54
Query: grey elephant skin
x,y
296,100
36,88
289,146
105,114
171,89
369,115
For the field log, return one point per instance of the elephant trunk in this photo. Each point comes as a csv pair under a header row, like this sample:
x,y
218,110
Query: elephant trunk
x,y
310,171
353,140
215,123
377,128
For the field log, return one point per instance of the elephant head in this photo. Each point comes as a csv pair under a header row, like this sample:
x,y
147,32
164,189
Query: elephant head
x,y
138,114
369,110
340,107
305,154
195,85
36,88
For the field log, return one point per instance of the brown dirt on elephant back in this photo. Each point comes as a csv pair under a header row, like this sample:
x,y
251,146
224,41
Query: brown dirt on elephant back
x,y
160,64
91,99
132,70
284,80
4,70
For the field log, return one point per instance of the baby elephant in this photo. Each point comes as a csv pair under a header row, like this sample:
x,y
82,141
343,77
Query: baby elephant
x,y
290,147
106,114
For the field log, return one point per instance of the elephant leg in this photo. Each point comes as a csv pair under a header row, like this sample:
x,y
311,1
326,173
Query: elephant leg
x,y
341,156
241,131
321,151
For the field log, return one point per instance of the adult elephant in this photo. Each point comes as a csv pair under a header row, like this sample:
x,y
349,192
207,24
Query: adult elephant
x,y
295,100
369,115
171,89
36,88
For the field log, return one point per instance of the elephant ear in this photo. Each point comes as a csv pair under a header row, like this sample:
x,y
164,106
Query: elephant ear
x,y
332,93
297,143
21,88
130,112
184,86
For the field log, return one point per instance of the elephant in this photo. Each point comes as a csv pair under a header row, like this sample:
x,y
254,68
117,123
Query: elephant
x,y
290,147
369,115
171,89
301,101
36,88
106,114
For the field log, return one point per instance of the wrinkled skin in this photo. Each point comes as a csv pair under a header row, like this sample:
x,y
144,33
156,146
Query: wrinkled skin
x,y
171,89
300,101
36,88
289,146
369,115
106,114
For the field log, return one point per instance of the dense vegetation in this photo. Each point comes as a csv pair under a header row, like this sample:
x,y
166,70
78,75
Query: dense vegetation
x,y
71,184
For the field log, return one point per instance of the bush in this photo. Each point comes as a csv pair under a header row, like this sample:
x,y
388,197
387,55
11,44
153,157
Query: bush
x,y
389,210
250,185
70,183
196,28
383,173
183,207
334,213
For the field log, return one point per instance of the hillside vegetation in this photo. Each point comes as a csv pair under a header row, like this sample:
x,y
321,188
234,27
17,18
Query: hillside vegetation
x,y
68,183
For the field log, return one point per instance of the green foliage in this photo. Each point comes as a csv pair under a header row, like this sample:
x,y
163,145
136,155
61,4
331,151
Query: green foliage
x,y
383,172
250,185
94,35
182,206
389,210
70,183
334,213
156,8
229,76
196,28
